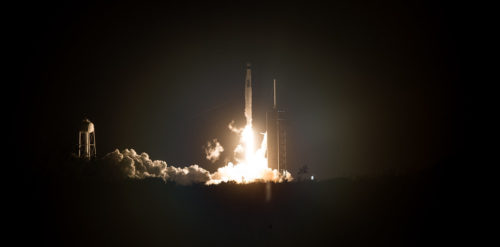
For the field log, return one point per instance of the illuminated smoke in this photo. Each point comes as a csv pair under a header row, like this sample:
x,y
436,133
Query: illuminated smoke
x,y
213,150
233,128
139,166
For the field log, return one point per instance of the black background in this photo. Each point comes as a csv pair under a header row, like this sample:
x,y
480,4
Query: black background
x,y
375,93
371,88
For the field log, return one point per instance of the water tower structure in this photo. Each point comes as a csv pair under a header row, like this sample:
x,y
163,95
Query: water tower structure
x,y
86,140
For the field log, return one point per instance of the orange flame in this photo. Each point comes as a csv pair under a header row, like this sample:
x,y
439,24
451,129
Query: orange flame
x,y
253,167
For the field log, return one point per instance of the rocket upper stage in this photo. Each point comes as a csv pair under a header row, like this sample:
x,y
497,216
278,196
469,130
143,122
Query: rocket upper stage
x,y
248,94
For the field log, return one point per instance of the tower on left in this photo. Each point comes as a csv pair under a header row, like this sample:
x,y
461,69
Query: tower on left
x,y
86,140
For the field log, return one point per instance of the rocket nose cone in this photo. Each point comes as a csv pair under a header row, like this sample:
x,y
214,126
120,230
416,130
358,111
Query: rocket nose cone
x,y
249,65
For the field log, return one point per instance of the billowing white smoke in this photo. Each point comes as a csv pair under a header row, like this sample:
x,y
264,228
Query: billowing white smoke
x,y
140,166
213,150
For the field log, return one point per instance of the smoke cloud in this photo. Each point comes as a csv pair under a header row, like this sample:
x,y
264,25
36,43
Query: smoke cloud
x,y
128,163
213,150
234,128
139,166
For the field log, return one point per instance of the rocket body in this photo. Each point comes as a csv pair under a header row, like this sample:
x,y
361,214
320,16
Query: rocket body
x,y
248,95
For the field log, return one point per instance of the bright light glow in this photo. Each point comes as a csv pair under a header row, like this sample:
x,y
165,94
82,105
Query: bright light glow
x,y
251,163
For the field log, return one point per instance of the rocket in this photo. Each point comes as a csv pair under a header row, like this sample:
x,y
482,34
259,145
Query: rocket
x,y
248,94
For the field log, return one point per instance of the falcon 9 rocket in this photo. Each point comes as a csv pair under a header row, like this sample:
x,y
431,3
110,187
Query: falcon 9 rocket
x,y
248,95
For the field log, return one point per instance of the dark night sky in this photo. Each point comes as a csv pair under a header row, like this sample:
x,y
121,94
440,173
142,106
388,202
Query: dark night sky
x,y
371,87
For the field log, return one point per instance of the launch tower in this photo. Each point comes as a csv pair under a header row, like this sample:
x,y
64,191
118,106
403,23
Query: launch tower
x,y
276,136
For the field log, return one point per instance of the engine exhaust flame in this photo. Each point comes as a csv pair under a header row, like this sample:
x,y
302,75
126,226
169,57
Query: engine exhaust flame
x,y
252,167
251,163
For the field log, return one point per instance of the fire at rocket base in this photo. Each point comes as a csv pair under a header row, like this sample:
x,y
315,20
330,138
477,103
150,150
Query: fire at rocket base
x,y
248,95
